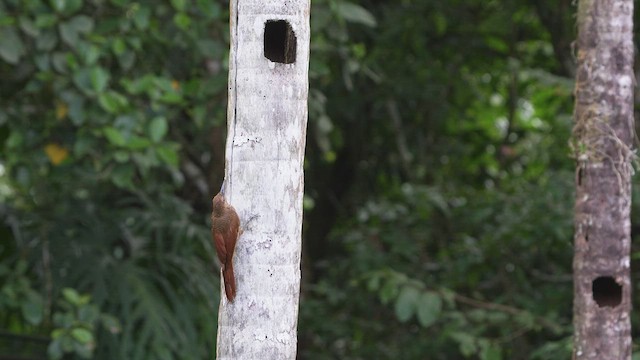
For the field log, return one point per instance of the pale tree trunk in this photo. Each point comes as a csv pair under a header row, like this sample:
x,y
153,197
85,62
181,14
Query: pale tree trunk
x,y
267,122
603,137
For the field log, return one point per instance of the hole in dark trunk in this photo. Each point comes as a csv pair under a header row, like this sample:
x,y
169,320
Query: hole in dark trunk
x,y
279,42
580,177
607,292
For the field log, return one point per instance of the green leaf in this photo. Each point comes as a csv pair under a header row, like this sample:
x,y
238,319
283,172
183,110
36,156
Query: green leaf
x,y
179,4
406,303
182,20
32,309
388,291
82,24
82,79
138,143
440,23
43,62
85,350
490,351
121,156
66,6
134,42
374,282
158,128
59,61
66,342
122,176
82,335
11,46
429,308
138,86
70,30
168,155
68,34
113,102
47,41
355,13
45,21
99,79
114,136
15,140
141,17
90,54
71,295
171,97
29,27
58,5
62,319
199,116
127,59
118,46
54,350
84,144
75,101
497,44
84,299
163,83
466,342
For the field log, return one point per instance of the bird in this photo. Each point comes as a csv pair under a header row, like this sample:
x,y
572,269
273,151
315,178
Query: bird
x,y
225,228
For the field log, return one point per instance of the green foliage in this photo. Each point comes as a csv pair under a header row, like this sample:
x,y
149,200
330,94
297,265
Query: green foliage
x,y
101,102
450,183
75,326
458,275
18,295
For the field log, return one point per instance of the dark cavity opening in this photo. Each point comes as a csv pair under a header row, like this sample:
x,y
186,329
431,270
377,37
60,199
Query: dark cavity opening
x,y
607,292
279,42
580,176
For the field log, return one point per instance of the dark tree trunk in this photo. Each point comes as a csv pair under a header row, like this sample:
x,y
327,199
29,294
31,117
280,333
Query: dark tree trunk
x,y
602,142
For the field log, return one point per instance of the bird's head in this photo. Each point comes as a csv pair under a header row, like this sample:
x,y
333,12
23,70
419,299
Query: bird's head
x,y
219,203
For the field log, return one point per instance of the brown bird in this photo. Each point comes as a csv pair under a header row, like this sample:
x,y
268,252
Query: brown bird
x,y
225,227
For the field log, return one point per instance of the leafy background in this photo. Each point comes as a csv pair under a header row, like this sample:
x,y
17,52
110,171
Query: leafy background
x,y
438,205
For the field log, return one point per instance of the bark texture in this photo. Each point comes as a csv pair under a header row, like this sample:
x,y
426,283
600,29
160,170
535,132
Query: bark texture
x,y
602,141
267,122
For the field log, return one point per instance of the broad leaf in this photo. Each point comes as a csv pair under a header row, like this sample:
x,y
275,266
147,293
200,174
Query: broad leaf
x,y
429,308
113,102
406,303
99,79
356,13
11,46
158,128
82,335
114,136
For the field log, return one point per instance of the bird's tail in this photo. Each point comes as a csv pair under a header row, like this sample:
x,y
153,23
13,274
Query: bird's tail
x,y
229,281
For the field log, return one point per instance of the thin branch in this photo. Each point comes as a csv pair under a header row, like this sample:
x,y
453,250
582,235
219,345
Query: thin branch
x,y
505,309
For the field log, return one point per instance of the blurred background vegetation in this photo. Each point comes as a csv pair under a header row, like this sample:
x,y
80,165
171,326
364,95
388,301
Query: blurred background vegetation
x,y
439,191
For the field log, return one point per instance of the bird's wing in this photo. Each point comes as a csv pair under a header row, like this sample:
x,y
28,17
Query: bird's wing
x,y
221,249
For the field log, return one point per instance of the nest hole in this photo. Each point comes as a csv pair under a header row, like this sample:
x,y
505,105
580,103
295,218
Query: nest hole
x,y
607,292
279,42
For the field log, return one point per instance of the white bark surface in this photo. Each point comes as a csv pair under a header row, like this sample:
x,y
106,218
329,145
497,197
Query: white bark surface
x,y
603,139
267,121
